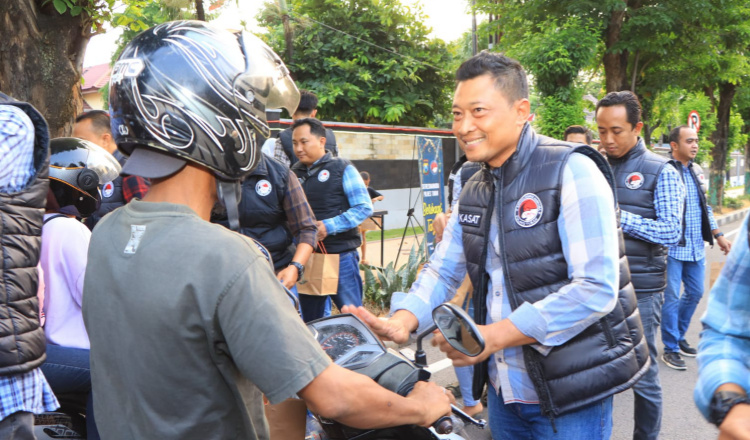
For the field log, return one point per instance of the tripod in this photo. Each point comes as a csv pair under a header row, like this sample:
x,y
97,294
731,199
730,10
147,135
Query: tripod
x,y
410,218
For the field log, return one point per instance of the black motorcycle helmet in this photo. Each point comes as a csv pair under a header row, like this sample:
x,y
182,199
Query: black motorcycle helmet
x,y
76,169
198,93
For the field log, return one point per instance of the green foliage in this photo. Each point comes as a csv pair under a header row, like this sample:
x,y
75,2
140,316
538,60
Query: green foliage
x,y
405,80
671,109
733,203
381,283
555,115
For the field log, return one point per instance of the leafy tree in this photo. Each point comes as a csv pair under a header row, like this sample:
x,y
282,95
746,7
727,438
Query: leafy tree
x,y
367,60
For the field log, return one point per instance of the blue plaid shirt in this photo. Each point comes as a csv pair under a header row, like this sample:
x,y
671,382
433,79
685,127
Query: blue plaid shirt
x,y
694,249
588,233
669,200
359,202
27,391
16,149
724,348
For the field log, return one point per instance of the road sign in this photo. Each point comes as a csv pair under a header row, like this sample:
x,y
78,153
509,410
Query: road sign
x,y
694,121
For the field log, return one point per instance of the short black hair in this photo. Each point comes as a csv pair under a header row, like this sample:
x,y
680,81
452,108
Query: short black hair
x,y
365,175
316,127
99,120
625,98
674,135
509,76
578,129
308,102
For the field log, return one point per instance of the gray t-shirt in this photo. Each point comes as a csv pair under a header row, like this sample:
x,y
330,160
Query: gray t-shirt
x,y
188,328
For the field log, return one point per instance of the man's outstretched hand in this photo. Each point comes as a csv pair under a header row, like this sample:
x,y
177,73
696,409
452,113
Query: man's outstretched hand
x,y
395,329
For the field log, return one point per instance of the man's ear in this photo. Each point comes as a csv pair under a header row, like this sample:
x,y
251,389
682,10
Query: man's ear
x,y
673,145
313,113
638,128
523,109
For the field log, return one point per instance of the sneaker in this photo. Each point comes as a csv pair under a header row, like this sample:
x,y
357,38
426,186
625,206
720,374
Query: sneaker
x,y
674,360
687,350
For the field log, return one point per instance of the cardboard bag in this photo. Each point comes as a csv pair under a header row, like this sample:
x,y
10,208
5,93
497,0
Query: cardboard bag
x,y
321,275
287,420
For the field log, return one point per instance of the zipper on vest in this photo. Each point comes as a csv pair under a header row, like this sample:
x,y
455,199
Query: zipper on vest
x,y
607,330
530,356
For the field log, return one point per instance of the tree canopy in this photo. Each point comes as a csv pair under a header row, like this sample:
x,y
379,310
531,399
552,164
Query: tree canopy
x,y
368,61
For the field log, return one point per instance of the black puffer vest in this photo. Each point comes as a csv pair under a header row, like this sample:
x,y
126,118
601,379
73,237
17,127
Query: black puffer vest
x,y
324,188
605,358
636,175
286,142
705,222
22,341
112,197
262,214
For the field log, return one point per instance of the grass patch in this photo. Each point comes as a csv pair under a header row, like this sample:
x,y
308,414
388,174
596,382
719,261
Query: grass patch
x,y
392,233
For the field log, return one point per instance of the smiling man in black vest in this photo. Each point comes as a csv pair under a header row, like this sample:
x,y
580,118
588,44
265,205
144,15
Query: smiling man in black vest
x,y
537,232
339,198
651,196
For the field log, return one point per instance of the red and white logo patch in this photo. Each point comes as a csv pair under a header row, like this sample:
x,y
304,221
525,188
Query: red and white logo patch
x,y
634,180
263,187
108,189
324,175
528,210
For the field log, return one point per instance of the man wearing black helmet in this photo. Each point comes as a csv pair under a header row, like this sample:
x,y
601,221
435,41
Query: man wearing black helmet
x,y
188,324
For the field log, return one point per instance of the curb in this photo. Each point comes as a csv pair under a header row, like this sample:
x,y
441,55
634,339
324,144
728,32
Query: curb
x,y
732,217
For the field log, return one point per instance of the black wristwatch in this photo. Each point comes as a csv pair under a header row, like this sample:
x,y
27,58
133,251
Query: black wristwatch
x,y
722,403
300,269
718,234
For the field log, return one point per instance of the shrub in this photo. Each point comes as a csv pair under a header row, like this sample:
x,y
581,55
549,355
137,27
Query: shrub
x,y
380,283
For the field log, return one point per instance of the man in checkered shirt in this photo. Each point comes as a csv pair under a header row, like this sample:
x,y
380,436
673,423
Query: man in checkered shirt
x,y
687,260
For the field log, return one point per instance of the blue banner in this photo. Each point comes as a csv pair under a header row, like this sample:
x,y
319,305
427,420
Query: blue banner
x,y
431,179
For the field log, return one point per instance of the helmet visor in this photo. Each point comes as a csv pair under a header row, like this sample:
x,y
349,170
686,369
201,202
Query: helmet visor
x,y
264,84
102,163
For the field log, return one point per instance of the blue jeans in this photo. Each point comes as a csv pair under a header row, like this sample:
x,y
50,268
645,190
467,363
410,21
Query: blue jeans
x,y
349,291
68,372
678,311
648,398
465,375
520,421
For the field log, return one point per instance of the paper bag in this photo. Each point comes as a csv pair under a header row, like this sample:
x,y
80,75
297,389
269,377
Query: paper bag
x,y
321,275
287,420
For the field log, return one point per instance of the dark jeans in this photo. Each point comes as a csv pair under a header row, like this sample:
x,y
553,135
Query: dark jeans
x,y
18,426
349,290
648,398
68,373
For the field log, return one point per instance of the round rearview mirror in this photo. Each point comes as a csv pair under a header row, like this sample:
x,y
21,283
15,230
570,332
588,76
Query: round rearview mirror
x,y
458,329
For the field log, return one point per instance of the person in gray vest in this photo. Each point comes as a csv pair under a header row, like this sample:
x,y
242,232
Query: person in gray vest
x,y
24,184
307,108
536,229
651,197
94,126
687,260
340,201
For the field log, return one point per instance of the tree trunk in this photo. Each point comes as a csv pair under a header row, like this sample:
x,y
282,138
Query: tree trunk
x,y
615,64
41,60
719,138
200,13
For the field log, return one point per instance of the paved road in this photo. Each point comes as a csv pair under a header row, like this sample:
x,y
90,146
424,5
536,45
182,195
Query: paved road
x,y
681,420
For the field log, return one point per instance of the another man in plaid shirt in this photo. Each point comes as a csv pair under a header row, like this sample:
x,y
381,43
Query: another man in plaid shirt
x,y
724,349
651,197
274,210
687,261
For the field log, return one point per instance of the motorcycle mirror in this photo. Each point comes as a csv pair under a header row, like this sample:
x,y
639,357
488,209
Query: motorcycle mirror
x,y
458,329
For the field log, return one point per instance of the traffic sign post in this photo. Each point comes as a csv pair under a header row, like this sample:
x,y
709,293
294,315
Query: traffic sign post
x,y
694,121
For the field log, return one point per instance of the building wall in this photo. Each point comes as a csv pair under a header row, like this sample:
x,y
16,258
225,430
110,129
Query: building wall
x,y
94,100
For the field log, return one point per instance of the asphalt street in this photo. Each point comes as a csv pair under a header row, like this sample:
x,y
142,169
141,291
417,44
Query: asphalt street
x,y
681,419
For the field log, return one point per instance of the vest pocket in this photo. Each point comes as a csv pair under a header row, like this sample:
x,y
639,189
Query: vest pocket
x,y
608,334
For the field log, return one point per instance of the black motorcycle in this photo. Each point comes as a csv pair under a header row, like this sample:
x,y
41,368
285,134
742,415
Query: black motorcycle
x,y
352,345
